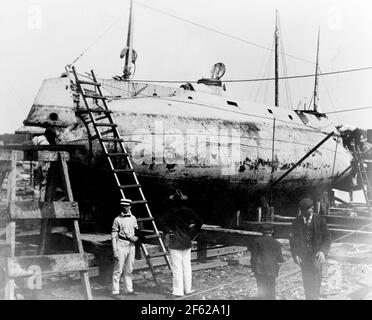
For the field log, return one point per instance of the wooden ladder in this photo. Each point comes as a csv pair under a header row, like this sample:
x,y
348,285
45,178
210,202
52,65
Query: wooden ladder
x,y
363,175
105,130
17,267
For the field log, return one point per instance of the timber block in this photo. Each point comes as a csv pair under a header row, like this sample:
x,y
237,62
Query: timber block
x,y
27,266
44,210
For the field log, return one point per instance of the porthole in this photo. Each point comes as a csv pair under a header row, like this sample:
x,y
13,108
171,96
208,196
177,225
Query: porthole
x,y
232,103
53,116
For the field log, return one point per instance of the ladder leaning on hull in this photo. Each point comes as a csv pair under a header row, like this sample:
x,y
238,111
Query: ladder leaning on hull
x,y
115,155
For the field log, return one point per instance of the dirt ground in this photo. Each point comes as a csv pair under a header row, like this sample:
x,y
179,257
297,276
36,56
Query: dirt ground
x,y
349,277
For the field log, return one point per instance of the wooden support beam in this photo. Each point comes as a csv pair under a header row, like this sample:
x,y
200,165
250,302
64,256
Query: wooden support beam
x,y
142,264
229,236
21,266
195,267
5,155
5,249
46,155
76,234
58,147
283,229
44,210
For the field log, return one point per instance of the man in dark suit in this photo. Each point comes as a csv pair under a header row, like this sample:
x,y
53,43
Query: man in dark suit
x,y
266,254
180,225
310,242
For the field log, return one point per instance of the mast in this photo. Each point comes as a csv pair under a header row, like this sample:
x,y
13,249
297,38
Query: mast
x,y
128,56
276,61
316,76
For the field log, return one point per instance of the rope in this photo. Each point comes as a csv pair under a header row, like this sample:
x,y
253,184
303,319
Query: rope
x,y
95,41
348,110
268,79
219,32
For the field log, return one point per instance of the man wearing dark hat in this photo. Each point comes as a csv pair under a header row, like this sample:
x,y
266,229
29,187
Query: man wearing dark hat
x,y
266,254
181,225
310,242
124,230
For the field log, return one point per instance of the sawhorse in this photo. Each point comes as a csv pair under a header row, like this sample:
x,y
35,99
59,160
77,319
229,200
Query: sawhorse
x,y
25,266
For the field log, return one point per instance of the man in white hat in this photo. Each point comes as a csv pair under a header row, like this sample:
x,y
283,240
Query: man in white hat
x,y
124,230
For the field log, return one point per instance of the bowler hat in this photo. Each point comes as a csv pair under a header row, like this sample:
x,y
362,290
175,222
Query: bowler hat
x,y
125,202
267,227
178,195
306,203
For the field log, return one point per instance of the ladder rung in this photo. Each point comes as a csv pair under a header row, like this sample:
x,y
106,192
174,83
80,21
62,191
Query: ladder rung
x,y
147,231
152,236
97,119
102,134
89,82
139,202
145,219
160,254
129,186
93,96
112,140
117,154
123,171
106,125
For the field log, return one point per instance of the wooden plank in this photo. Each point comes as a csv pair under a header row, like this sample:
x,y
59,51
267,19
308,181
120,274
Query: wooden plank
x,y
24,266
11,191
66,179
195,267
10,237
5,249
44,210
50,191
5,155
59,147
142,264
35,155
66,209
229,236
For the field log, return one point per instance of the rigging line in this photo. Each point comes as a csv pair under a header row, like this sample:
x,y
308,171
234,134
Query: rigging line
x,y
265,74
330,97
99,38
250,96
285,68
220,32
349,110
266,79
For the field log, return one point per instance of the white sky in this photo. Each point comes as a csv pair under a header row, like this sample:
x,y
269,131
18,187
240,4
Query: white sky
x,y
38,38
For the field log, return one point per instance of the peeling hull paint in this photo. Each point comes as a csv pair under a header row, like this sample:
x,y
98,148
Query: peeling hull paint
x,y
193,145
